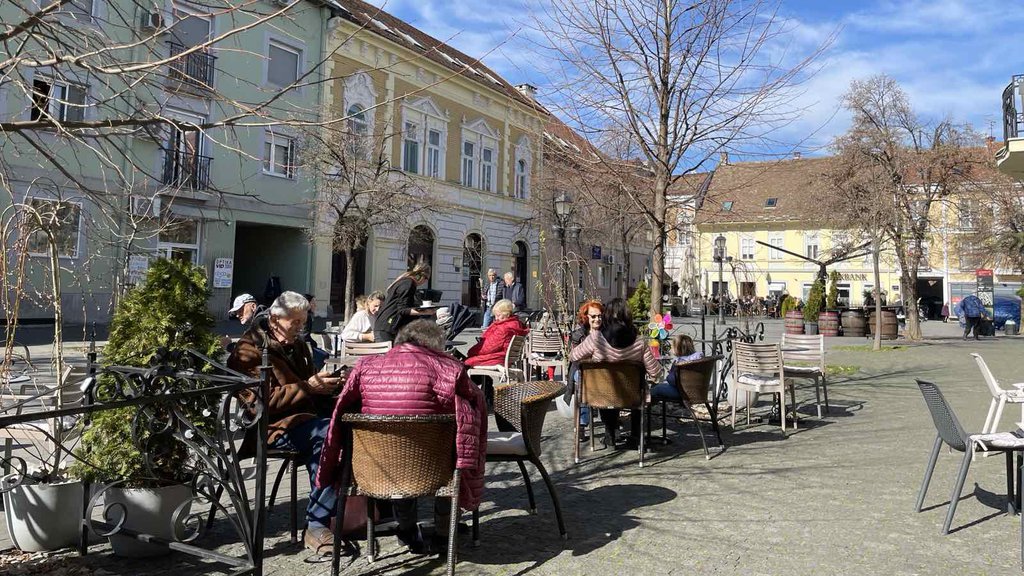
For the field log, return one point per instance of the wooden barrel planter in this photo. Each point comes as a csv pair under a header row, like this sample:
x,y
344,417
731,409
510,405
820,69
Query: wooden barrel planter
x,y
794,322
828,323
854,324
890,326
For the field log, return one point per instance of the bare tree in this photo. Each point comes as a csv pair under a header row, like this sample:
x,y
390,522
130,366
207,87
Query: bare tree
x,y
681,80
914,165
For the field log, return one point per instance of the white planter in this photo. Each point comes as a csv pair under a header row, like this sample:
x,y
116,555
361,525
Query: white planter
x,y
149,511
44,517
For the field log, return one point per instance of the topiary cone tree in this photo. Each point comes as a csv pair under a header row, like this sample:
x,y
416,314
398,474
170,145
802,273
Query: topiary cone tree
x,y
814,301
168,310
832,300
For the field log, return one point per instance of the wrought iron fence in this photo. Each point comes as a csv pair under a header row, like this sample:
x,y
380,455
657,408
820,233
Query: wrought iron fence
x,y
194,68
184,169
157,395
1013,116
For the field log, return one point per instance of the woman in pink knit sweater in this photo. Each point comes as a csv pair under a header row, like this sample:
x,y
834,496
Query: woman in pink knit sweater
x,y
617,341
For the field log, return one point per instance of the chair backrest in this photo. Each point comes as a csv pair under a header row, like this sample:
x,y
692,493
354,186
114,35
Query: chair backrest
x,y
515,351
814,344
323,341
693,379
945,421
402,456
993,384
763,359
524,405
364,348
543,341
613,384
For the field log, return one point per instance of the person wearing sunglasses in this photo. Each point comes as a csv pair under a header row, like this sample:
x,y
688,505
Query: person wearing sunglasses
x,y
589,317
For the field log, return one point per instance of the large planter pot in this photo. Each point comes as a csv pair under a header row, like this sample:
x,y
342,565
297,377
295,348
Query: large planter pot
x,y
794,322
44,517
854,323
828,323
148,511
810,328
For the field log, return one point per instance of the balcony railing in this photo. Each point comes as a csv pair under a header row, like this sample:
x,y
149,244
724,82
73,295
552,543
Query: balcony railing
x,y
186,170
195,68
1013,115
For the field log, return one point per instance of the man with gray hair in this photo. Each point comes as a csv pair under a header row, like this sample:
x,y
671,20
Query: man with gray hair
x,y
514,291
294,400
489,294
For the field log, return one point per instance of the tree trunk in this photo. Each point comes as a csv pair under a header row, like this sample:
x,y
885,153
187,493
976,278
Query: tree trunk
x,y
909,281
350,283
876,249
658,256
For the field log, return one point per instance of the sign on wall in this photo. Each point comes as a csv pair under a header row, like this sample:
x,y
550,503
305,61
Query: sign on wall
x,y
223,271
138,265
595,252
986,289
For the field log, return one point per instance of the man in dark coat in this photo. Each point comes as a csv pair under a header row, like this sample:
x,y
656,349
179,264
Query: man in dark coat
x,y
514,291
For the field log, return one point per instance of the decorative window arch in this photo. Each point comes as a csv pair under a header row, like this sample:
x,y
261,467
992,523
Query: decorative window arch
x,y
479,150
360,97
523,165
424,137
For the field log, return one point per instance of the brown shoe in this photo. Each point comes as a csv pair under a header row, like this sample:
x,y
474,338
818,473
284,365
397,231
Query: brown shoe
x,y
318,540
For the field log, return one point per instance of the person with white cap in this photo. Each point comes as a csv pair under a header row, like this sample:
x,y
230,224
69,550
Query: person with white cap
x,y
245,308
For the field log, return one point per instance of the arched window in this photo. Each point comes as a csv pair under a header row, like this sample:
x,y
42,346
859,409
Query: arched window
x,y
520,263
472,263
421,248
360,98
524,159
358,131
522,179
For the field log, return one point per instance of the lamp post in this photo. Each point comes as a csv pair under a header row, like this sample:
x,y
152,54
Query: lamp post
x,y
721,257
563,214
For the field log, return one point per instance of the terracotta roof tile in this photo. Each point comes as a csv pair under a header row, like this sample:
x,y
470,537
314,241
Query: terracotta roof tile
x,y
782,191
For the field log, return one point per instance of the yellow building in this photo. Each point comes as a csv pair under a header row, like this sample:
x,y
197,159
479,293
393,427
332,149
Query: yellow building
x,y
463,133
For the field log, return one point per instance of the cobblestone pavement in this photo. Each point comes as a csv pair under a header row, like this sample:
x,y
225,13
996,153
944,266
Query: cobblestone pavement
x,y
836,496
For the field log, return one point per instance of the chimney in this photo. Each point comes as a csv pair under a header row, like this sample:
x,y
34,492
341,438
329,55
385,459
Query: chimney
x,y
528,90
797,155
723,158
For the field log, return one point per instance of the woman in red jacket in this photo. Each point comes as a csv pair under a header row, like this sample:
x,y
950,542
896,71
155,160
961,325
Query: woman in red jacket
x,y
490,350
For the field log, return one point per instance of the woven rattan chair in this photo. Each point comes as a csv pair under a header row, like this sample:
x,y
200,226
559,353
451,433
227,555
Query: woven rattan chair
x,y
609,385
544,349
511,370
397,457
758,368
1000,396
950,433
520,409
693,381
812,362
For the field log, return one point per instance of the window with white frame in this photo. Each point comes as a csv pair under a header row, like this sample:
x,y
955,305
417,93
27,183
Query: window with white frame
x,y
468,158
811,246
61,101
487,169
775,240
602,276
967,210
479,155
358,132
278,155
746,248
61,219
424,138
179,240
360,97
523,162
283,63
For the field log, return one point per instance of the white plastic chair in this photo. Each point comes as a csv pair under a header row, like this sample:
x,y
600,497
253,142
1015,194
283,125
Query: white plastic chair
x,y
814,356
1000,396
758,368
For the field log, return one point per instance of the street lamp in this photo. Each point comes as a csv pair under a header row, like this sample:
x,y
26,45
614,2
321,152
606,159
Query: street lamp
x,y
721,257
563,215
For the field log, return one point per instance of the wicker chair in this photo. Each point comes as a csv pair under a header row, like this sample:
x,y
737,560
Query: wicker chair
x,y
520,409
610,385
950,433
393,457
693,381
758,368
814,355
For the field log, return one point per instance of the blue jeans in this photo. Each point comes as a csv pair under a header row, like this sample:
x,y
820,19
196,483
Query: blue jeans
x,y
488,317
307,438
665,391
584,410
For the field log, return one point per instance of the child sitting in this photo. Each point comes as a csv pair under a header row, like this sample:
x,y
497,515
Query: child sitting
x,y
683,350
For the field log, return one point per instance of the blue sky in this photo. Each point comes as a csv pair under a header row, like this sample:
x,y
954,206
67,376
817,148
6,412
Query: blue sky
x,y
952,57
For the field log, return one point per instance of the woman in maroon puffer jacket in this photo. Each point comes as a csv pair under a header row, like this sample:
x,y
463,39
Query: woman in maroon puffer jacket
x,y
490,350
415,377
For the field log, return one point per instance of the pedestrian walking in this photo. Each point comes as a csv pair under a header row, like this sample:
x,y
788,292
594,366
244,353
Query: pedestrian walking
x,y
489,296
972,311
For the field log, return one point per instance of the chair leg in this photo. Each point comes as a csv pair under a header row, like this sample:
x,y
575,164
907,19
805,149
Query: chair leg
x,y
339,519
988,428
824,391
817,395
277,484
1020,480
954,498
713,414
371,530
213,507
999,413
590,421
643,416
529,486
707,455
553,494
1010,497
747,409
476,527
792,400
734,411
576,430
928,473
453,524
295,500
782,408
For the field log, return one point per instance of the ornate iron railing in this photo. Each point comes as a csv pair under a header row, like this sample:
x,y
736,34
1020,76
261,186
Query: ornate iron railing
x,y
194,68
722,346
1013,117
183,169
158,395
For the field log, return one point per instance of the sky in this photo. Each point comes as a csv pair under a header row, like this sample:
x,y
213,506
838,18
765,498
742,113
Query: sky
x,y
952,57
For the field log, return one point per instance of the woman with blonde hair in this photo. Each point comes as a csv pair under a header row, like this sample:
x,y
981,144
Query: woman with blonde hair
x,y
399,307
490,350
360,326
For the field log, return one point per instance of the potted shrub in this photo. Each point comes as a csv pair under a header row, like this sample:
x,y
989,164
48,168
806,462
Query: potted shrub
x,y
167,311
812,307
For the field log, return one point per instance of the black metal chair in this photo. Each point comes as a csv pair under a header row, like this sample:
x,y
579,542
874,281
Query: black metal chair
x,y
519,409
693,382
950,433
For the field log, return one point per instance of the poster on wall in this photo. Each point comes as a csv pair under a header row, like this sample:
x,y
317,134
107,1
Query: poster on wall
x,y
223,270
985,289
138,265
